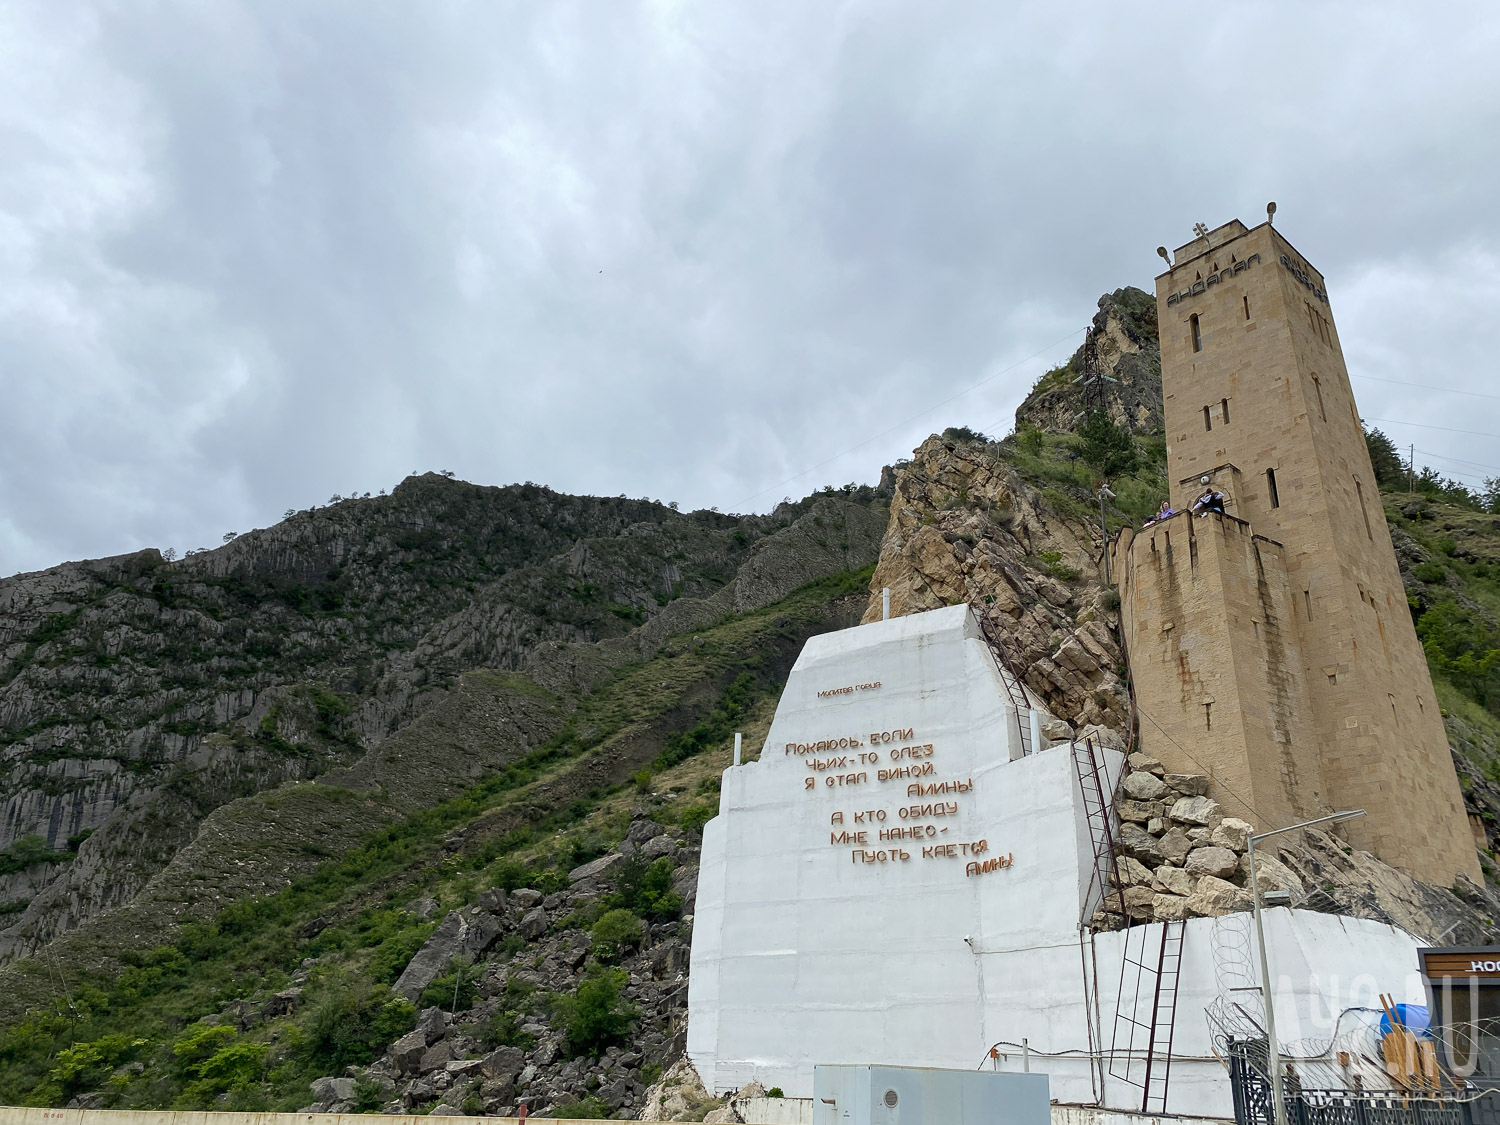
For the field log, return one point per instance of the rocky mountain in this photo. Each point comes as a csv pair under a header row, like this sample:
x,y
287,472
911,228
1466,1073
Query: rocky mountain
x,y
137,695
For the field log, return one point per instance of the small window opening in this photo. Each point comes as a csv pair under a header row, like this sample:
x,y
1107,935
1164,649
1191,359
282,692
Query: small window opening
x,y
1360,492
1247,307
1271,488
1307,602
1208,422
1333,677
1208,716
1318,390
1224,404
1395,718
1197,333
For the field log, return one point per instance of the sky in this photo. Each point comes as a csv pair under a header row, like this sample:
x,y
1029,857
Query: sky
x,y
255,254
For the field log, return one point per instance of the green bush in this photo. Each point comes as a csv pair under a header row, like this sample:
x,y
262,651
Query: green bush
x,y
454,991
595,1017
351,1020
616,932
1106,446
645,889
1430,572
590,1109
693,817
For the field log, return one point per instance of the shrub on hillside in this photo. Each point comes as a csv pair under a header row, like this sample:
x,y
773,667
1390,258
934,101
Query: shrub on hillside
x,y
595,1017
616,932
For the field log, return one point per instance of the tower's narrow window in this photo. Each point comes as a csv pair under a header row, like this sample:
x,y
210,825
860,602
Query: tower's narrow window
x,y
1318,390
1208,716
1197,333
1247,307
1395,718
1271,488
1208,421
1360,491
1224,405
1307,602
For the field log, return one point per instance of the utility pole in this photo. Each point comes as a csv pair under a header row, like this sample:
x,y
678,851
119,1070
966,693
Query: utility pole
x,y
1104,494
1411,469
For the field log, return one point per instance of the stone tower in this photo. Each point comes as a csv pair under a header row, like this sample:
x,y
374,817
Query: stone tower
x,y
1273,648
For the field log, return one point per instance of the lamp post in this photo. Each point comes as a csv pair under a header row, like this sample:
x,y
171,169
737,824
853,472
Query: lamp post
x,y
1104,494
1273,1056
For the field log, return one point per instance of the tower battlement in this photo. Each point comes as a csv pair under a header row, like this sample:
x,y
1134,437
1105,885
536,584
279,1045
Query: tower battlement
x,y
1274,649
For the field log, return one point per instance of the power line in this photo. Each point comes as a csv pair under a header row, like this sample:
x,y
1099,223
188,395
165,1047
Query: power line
x,y
1458,460
1425,386
907,421
1424,426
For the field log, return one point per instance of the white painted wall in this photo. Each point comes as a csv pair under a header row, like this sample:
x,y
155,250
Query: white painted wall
x,y
803,956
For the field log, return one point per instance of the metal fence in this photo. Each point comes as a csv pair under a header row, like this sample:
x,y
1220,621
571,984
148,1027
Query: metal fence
x,y
1252,1099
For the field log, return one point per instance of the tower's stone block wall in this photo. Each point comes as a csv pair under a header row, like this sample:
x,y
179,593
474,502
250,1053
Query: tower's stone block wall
x,y
1258,402
1206,605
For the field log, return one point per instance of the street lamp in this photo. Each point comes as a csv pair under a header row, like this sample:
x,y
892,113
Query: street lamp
x,y
1104,494
1273,1057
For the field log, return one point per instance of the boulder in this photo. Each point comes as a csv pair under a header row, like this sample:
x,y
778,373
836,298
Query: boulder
x,y
1188,784
525,897
1171,908
1271,874
436,1057
1174,880
1156,826
433,1024
658,846
1174,845
1138,901
534,925
1103,736
1213,897
1196,810
424,908
433,959
1200,837
1137,843
724,1115
1141,786
1132,871
1140,812
464,1068
503,1064
492,900
329,1090
1144,763
596,868
483,930
1053,730
1232,833
1217,862
406,1053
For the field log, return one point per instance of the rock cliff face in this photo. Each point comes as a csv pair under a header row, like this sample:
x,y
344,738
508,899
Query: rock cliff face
x,y
1122,345
138,695
966,527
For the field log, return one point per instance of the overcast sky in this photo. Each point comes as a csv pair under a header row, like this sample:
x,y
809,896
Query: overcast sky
x,y
252,254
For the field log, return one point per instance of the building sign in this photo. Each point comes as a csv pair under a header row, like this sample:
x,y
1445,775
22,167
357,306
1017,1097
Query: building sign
x,y
1202,284
1483,964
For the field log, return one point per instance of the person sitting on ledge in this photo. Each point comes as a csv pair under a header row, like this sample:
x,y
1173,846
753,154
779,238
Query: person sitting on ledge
x,y
1166,511
1210,501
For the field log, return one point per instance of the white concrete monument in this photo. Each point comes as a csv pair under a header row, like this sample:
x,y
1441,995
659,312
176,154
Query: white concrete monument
x,y
900,878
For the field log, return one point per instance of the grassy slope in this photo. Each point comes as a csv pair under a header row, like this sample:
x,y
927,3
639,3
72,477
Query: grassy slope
x,y
131,1025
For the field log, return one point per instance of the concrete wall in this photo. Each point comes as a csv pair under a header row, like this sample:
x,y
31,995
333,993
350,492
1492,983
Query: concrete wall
x,y
1265,389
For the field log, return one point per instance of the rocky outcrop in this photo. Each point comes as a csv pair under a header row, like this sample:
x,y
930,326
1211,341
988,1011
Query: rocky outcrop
x,y
451,1064
1180,857
1122,344
965,527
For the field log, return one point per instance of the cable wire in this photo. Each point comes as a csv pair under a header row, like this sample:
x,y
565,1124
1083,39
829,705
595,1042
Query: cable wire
x,y
1425,386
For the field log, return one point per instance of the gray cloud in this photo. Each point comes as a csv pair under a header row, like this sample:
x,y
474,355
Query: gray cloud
x,y
253,254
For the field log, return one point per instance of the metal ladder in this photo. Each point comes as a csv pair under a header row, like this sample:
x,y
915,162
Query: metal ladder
x,y
1155,966
1098,807
1148,970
